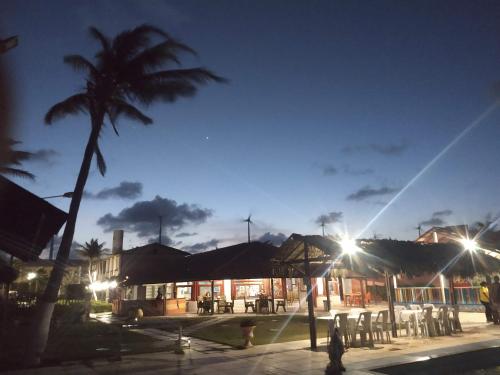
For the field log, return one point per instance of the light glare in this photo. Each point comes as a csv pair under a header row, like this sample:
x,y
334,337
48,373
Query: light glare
x,y
468,244
31,275
349,246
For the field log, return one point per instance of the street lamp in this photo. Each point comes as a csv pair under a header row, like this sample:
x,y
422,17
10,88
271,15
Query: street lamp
x,y
68,194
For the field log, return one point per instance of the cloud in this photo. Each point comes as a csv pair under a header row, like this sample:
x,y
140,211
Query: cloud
x,y
442,213
165,240
73,254
126,190
273,238
329,170
368,192
43,155
142,217
330,218
436,220
185,234
202,246
357,172
394,149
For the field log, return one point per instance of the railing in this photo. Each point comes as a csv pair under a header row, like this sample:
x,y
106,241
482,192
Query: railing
x,y
421,295
467,295
463,295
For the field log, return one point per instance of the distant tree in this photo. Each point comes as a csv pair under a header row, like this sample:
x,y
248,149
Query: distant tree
x,y
92,250
125,71
11,160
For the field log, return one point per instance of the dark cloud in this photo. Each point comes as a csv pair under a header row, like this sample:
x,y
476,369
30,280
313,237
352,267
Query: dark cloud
x,y
436,220
386,149
330,218
442,213
273,238
357,172
142,217
202,246
368,192
73,254
126,190
44,155
432,222
329,170
165,240
185,234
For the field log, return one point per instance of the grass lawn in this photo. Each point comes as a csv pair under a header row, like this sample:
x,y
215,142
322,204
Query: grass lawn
x,y
80,341
267,330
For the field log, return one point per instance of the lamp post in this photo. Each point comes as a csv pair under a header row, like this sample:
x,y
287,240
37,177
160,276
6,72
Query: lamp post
x,y
68,194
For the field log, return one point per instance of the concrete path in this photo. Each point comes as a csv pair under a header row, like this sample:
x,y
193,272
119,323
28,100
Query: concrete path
x,y
282,358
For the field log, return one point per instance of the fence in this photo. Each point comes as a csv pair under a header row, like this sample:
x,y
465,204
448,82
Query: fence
x,y
434,295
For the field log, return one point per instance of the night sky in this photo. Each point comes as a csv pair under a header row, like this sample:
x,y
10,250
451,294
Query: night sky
x,y
331,109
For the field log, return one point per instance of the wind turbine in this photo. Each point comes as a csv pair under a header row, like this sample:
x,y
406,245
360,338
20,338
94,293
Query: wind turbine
x,y
419,228
249,221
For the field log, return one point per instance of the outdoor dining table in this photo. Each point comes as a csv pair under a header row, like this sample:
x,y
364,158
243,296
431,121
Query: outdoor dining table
x,y
258,306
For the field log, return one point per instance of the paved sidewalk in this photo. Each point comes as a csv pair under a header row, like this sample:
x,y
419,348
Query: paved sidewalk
x,y
283,358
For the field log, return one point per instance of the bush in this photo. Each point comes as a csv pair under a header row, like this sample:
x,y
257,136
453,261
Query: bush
x,y
100,307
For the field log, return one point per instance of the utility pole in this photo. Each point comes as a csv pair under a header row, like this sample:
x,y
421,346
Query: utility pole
x,y
323,228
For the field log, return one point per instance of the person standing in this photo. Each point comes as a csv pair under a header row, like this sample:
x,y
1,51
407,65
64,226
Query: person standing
x,y
494,291
484,297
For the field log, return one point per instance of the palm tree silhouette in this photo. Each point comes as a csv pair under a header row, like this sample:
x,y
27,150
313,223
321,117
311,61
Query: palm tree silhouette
x,y
11,159
125,71
92,250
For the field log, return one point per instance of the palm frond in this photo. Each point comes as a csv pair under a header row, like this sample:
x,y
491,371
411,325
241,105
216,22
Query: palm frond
x,y
101,163
96,34
198,75
80,63
70,106
120,107
147,93
17,172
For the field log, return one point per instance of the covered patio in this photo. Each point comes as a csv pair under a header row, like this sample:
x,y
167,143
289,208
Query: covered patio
x,y
321,257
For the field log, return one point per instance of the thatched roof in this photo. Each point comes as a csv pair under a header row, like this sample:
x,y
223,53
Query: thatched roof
x,y
27,222
378,256
152,264
243,261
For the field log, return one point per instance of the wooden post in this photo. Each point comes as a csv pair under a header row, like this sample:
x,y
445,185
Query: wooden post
x,y
212,292
363,294
327,291
452,291
310,302
390,300
272,296
341,289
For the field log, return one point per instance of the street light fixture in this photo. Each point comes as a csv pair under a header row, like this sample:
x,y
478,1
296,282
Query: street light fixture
x,y
31,275
68,194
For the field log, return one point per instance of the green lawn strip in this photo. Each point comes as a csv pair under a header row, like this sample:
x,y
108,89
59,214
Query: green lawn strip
x,y
267,330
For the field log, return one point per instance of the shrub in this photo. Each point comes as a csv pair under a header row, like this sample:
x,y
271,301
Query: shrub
x,y
100,307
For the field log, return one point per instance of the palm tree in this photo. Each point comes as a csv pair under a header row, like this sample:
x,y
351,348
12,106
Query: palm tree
x,y
125,71
92,250
11,159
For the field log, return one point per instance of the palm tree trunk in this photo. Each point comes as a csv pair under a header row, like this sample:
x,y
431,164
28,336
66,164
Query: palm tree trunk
x,y
45,307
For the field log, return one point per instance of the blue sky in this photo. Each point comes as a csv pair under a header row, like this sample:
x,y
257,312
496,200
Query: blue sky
x,y
326,99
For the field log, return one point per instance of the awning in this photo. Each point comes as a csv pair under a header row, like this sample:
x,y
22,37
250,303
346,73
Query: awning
x,y
27,222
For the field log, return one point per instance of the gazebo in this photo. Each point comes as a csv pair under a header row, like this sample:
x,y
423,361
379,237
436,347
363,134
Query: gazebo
x,y
317,256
